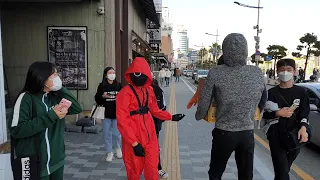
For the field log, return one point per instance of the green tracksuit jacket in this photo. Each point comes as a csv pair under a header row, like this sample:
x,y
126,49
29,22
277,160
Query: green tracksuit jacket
x,y
46,124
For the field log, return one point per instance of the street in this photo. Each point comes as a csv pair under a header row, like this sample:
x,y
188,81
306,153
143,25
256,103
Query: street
x,y
185,149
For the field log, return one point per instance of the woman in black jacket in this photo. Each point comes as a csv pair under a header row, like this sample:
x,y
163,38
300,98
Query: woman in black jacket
x,y
157,122
106,96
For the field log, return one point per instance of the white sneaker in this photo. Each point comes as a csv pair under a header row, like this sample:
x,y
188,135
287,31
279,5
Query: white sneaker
x,y
109,157
163,174
118,153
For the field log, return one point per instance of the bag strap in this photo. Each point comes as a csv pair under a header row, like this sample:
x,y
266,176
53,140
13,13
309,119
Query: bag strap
x,y
95,109
135,93
13,141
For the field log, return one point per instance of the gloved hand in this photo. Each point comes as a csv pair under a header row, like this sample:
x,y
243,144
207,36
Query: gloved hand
x,y
177,117
139,150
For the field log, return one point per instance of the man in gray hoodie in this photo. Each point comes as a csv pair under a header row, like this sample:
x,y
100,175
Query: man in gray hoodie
x,y
237,90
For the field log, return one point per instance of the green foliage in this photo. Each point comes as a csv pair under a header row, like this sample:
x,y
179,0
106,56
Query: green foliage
x,y
277,51
262,55
213,47
309,42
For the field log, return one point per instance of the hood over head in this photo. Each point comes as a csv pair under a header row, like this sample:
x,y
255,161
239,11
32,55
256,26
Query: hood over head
x,y
139,65
235,50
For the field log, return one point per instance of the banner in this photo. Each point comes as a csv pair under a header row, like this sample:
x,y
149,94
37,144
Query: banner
x,y
67,49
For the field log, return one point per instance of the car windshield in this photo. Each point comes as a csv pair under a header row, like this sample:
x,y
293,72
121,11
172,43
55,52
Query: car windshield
x,y
189,71
203,72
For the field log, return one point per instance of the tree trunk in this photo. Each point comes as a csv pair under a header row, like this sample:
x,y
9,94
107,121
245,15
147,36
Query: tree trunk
x,y
306,64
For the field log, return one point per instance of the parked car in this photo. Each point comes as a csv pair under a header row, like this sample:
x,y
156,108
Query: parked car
x,y
184,72
189,73
201,74
313,90
195,72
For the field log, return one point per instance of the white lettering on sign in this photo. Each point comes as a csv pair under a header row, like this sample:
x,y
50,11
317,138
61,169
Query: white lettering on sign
x,y
25,163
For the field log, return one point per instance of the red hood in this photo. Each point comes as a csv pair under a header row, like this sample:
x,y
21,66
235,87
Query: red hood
x,y
140,65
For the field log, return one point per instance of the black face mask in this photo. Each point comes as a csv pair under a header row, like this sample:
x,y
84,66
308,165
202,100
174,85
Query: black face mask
x,y
138,79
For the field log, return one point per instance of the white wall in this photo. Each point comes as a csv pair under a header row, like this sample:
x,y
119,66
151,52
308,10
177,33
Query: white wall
x,y
3,122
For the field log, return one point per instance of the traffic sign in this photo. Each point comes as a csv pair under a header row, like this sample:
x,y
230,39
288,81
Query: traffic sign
x,y
269,58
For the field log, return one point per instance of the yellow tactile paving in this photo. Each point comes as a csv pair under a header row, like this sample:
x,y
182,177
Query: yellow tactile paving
x,y
170,161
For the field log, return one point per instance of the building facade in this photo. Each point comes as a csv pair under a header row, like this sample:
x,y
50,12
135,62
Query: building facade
x,y
112,33
181,41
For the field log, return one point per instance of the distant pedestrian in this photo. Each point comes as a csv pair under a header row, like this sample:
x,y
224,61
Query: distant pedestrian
x,y
235,112
177,74
106,97
168,77
162,76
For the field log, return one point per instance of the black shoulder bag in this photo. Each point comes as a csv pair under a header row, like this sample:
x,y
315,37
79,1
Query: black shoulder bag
x,y
27,167
289,139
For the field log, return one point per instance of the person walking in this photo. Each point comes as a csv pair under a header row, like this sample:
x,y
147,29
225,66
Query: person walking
x,y
37,127
168,77
162,76
136,104
234,118
178,74
106,97
290,115
157,122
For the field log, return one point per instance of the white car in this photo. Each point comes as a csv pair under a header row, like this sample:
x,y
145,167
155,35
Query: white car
x,y
313,90
201,74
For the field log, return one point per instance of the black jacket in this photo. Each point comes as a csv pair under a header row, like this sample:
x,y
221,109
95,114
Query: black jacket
x,y
108,103
160,100
285,98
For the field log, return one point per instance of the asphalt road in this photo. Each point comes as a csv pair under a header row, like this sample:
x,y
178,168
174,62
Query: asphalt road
x,y
307,164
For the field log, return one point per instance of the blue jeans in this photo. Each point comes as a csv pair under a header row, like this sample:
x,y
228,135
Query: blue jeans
x,y
111,134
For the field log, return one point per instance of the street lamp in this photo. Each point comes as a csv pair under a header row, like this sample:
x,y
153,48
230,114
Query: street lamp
x,y
257,27
216,35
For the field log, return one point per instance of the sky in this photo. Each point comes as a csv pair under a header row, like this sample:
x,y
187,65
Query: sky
x,y
283,22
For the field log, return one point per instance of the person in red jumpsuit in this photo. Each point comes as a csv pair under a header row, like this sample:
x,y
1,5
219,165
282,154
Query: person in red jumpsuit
x,y
135,105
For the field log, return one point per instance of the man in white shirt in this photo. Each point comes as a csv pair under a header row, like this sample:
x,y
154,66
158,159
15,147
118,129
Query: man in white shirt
x,y
168,76
162,75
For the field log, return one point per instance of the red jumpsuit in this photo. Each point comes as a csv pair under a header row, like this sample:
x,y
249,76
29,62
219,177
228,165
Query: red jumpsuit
x,y
139,128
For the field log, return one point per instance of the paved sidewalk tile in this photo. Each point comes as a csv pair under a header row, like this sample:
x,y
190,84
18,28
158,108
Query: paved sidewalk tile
x,y
195,145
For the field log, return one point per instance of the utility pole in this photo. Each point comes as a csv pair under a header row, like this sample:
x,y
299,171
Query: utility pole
x,y
257,38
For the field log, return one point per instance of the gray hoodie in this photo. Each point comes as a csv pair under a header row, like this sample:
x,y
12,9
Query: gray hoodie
x,y
236,88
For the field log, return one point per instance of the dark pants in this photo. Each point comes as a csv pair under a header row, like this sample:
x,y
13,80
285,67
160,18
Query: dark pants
x,y
177,78
57,175
282,159
223,144
159,165
167,81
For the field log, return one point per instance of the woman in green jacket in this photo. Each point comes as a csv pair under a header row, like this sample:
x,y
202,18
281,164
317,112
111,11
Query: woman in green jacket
x,y
45,124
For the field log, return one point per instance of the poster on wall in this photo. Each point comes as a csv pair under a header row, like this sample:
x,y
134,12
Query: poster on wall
x,y
67,49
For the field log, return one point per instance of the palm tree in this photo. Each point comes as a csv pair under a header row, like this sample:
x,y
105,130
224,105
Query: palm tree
x,y
202,52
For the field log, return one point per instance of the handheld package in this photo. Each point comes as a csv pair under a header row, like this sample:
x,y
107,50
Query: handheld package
x,y
211,116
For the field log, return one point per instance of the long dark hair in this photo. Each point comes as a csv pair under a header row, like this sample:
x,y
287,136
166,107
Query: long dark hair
x,y
104,79
37,76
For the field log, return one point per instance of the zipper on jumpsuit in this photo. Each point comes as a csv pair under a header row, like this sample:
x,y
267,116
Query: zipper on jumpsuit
x,y
144,121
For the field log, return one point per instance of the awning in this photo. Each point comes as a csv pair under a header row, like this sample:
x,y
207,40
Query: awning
x,y
161,58
150,11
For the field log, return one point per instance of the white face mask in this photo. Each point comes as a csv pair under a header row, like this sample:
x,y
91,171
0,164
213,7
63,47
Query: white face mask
x,y
111,77
285,76
57,84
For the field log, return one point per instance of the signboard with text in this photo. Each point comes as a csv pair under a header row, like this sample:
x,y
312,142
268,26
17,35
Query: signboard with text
x,y
67,49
